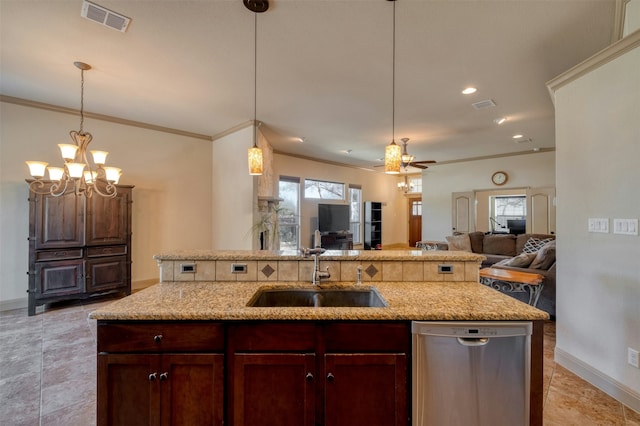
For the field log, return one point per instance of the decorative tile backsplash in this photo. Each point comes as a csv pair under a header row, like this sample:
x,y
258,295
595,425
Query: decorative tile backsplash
x,y
301,270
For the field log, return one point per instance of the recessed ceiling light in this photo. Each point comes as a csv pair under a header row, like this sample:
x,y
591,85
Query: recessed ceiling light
x,y
500,120
346,151
518,136
469,90
301,140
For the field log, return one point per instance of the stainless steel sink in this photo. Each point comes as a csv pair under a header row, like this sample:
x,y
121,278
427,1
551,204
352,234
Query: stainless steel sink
x,y
367,297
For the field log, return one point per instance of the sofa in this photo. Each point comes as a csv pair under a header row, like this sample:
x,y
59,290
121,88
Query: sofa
x,y
534,253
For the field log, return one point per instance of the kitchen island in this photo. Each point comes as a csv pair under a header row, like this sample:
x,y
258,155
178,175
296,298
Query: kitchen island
x,y
179,352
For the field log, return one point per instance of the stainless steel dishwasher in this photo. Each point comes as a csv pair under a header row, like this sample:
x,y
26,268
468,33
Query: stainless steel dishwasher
x,y
471,373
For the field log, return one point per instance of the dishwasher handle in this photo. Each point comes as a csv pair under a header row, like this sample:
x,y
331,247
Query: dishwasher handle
x,y
473,341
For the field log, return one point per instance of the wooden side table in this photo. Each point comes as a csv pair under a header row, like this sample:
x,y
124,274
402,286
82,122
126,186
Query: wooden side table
x,y
513,282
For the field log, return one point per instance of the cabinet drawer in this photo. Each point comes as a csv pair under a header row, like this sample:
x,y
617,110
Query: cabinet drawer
x,y
106,251
58,254
160,337
265,336
368,337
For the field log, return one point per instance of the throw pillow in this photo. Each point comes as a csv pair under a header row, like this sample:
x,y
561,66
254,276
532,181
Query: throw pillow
x,y
545,257
534,244
459,242
522,260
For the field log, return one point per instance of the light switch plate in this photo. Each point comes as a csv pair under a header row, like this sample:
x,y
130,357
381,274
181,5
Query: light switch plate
x,y
598,225
625,226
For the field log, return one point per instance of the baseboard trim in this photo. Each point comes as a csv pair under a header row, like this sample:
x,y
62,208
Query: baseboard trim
x,y
608,385
11,304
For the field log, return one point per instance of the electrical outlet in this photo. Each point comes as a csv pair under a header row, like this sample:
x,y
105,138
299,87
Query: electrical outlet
x,y
632,357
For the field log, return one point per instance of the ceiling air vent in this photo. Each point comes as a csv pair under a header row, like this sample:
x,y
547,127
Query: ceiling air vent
x,y
484,104
106,17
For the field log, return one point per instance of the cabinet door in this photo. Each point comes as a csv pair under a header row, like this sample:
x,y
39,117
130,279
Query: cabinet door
x,y
59,278
273,389
59,221
128,389
192,389
106,273
107,219
366,389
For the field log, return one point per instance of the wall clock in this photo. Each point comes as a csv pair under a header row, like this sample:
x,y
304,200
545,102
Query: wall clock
x,y
499,178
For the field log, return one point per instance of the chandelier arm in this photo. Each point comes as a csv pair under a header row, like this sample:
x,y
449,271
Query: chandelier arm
x,y
111,190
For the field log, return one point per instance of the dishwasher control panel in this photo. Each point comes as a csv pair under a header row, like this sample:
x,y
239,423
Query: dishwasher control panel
x,y
472,329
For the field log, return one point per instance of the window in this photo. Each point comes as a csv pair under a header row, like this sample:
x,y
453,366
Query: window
x,y
323,190
289,213
355,200
416,208
415,184
507,208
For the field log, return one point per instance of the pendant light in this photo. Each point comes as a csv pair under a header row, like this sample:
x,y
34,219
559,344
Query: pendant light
x,y
255,153
393,152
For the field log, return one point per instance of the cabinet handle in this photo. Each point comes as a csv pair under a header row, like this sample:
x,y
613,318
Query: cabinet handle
x,y
164,376
157,338
153,376
330,377
309,377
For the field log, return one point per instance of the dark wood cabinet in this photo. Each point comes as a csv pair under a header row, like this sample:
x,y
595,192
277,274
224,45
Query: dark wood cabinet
x,y
160,374
325,373
78,246
337,241
372,225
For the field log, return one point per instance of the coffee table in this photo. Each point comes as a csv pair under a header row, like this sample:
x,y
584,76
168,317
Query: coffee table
x,y
513,282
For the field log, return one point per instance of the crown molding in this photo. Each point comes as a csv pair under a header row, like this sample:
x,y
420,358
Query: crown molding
x,y
601,58
102,117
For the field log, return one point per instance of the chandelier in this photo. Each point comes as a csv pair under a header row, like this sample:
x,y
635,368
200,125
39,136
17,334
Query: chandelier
x,y
254,154
405,186
392,153
72,176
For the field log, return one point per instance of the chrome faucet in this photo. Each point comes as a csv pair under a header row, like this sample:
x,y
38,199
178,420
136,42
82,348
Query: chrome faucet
x,y
318,275
359,274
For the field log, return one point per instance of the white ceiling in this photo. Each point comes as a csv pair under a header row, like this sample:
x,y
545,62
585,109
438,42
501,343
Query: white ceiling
x,y
324,69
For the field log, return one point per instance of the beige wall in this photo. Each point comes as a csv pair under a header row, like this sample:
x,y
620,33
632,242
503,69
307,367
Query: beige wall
x,y
598,293
532,170
376,186
171,199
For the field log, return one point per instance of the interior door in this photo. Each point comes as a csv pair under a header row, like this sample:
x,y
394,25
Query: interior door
x,y
463,212
541,210
415,221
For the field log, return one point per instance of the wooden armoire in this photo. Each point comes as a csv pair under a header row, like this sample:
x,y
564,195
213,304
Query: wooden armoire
x,y
78,247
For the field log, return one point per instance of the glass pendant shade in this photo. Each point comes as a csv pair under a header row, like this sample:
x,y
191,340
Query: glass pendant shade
x,y
55,173
36,168
99,157
75,169
392,157
255,161
113,174
68,150
90,177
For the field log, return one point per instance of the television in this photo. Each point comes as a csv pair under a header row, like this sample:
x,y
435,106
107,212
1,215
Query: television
x,y
333,218
517,226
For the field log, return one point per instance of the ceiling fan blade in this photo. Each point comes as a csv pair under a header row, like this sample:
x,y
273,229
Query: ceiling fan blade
x,y
418,166
424,162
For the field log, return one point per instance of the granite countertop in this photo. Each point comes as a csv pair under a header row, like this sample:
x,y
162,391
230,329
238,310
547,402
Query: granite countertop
x,y
364,255
453,301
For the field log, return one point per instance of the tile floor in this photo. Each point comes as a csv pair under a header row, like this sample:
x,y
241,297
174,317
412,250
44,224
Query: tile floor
x,y
48,370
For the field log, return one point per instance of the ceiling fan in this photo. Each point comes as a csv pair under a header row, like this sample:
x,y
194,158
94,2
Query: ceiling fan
x,y
408,159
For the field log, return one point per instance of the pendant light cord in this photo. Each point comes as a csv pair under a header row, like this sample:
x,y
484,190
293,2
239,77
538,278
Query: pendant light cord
x,y
255,78
393,78
81,100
